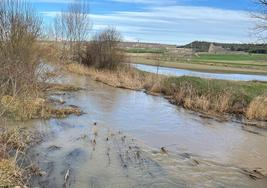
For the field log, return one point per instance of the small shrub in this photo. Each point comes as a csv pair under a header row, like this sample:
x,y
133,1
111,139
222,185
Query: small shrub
x,y
103,51
19,60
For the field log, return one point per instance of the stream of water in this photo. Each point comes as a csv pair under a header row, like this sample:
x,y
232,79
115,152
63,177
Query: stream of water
x,y
123,148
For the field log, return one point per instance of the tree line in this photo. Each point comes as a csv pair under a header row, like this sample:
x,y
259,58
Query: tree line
x,y
202,46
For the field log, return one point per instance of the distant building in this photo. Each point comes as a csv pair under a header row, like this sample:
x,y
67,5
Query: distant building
x,y
217,49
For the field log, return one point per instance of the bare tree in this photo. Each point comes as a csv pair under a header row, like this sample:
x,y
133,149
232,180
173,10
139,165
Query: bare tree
x,y
261,16
103,51
72,27
19,29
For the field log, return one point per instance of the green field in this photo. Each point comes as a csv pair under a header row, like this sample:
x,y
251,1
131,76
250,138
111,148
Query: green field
x,y
223,63
146,50
231,57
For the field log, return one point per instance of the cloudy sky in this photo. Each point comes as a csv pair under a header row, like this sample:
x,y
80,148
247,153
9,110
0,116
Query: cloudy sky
x,y
168,21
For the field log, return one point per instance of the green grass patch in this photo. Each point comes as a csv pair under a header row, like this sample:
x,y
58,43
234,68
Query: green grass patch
x,y
146,50
231,57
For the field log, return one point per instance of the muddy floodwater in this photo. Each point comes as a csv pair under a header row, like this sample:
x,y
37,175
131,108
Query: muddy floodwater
x,y
118,141
182,72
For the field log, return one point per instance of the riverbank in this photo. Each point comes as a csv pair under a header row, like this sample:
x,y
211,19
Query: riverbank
x,y
22,108
215,98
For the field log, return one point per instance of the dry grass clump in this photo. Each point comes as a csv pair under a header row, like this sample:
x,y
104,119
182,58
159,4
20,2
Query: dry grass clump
x,y
218,97
60,87
187,96
123,77
223,102
64,112
16,139
257,109
10,174
77,68
24,109
13,147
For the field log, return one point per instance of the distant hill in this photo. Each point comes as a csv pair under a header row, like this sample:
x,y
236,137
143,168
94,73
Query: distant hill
x,y
202,46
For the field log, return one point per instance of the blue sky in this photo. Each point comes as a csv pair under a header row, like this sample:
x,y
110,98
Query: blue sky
x,y
167,21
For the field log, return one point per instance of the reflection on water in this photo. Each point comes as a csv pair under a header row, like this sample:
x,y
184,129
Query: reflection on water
x,y
182,72
105,157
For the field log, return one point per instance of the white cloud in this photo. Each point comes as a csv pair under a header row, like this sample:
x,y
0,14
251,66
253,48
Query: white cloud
x,y
149,2
177,24
52,1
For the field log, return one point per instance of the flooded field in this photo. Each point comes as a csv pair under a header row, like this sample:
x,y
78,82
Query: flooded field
x,y
130,139
181,72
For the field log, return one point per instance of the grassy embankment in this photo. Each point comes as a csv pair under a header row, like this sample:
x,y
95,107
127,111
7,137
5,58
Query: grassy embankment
x,y
32,107
212,97
228,63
